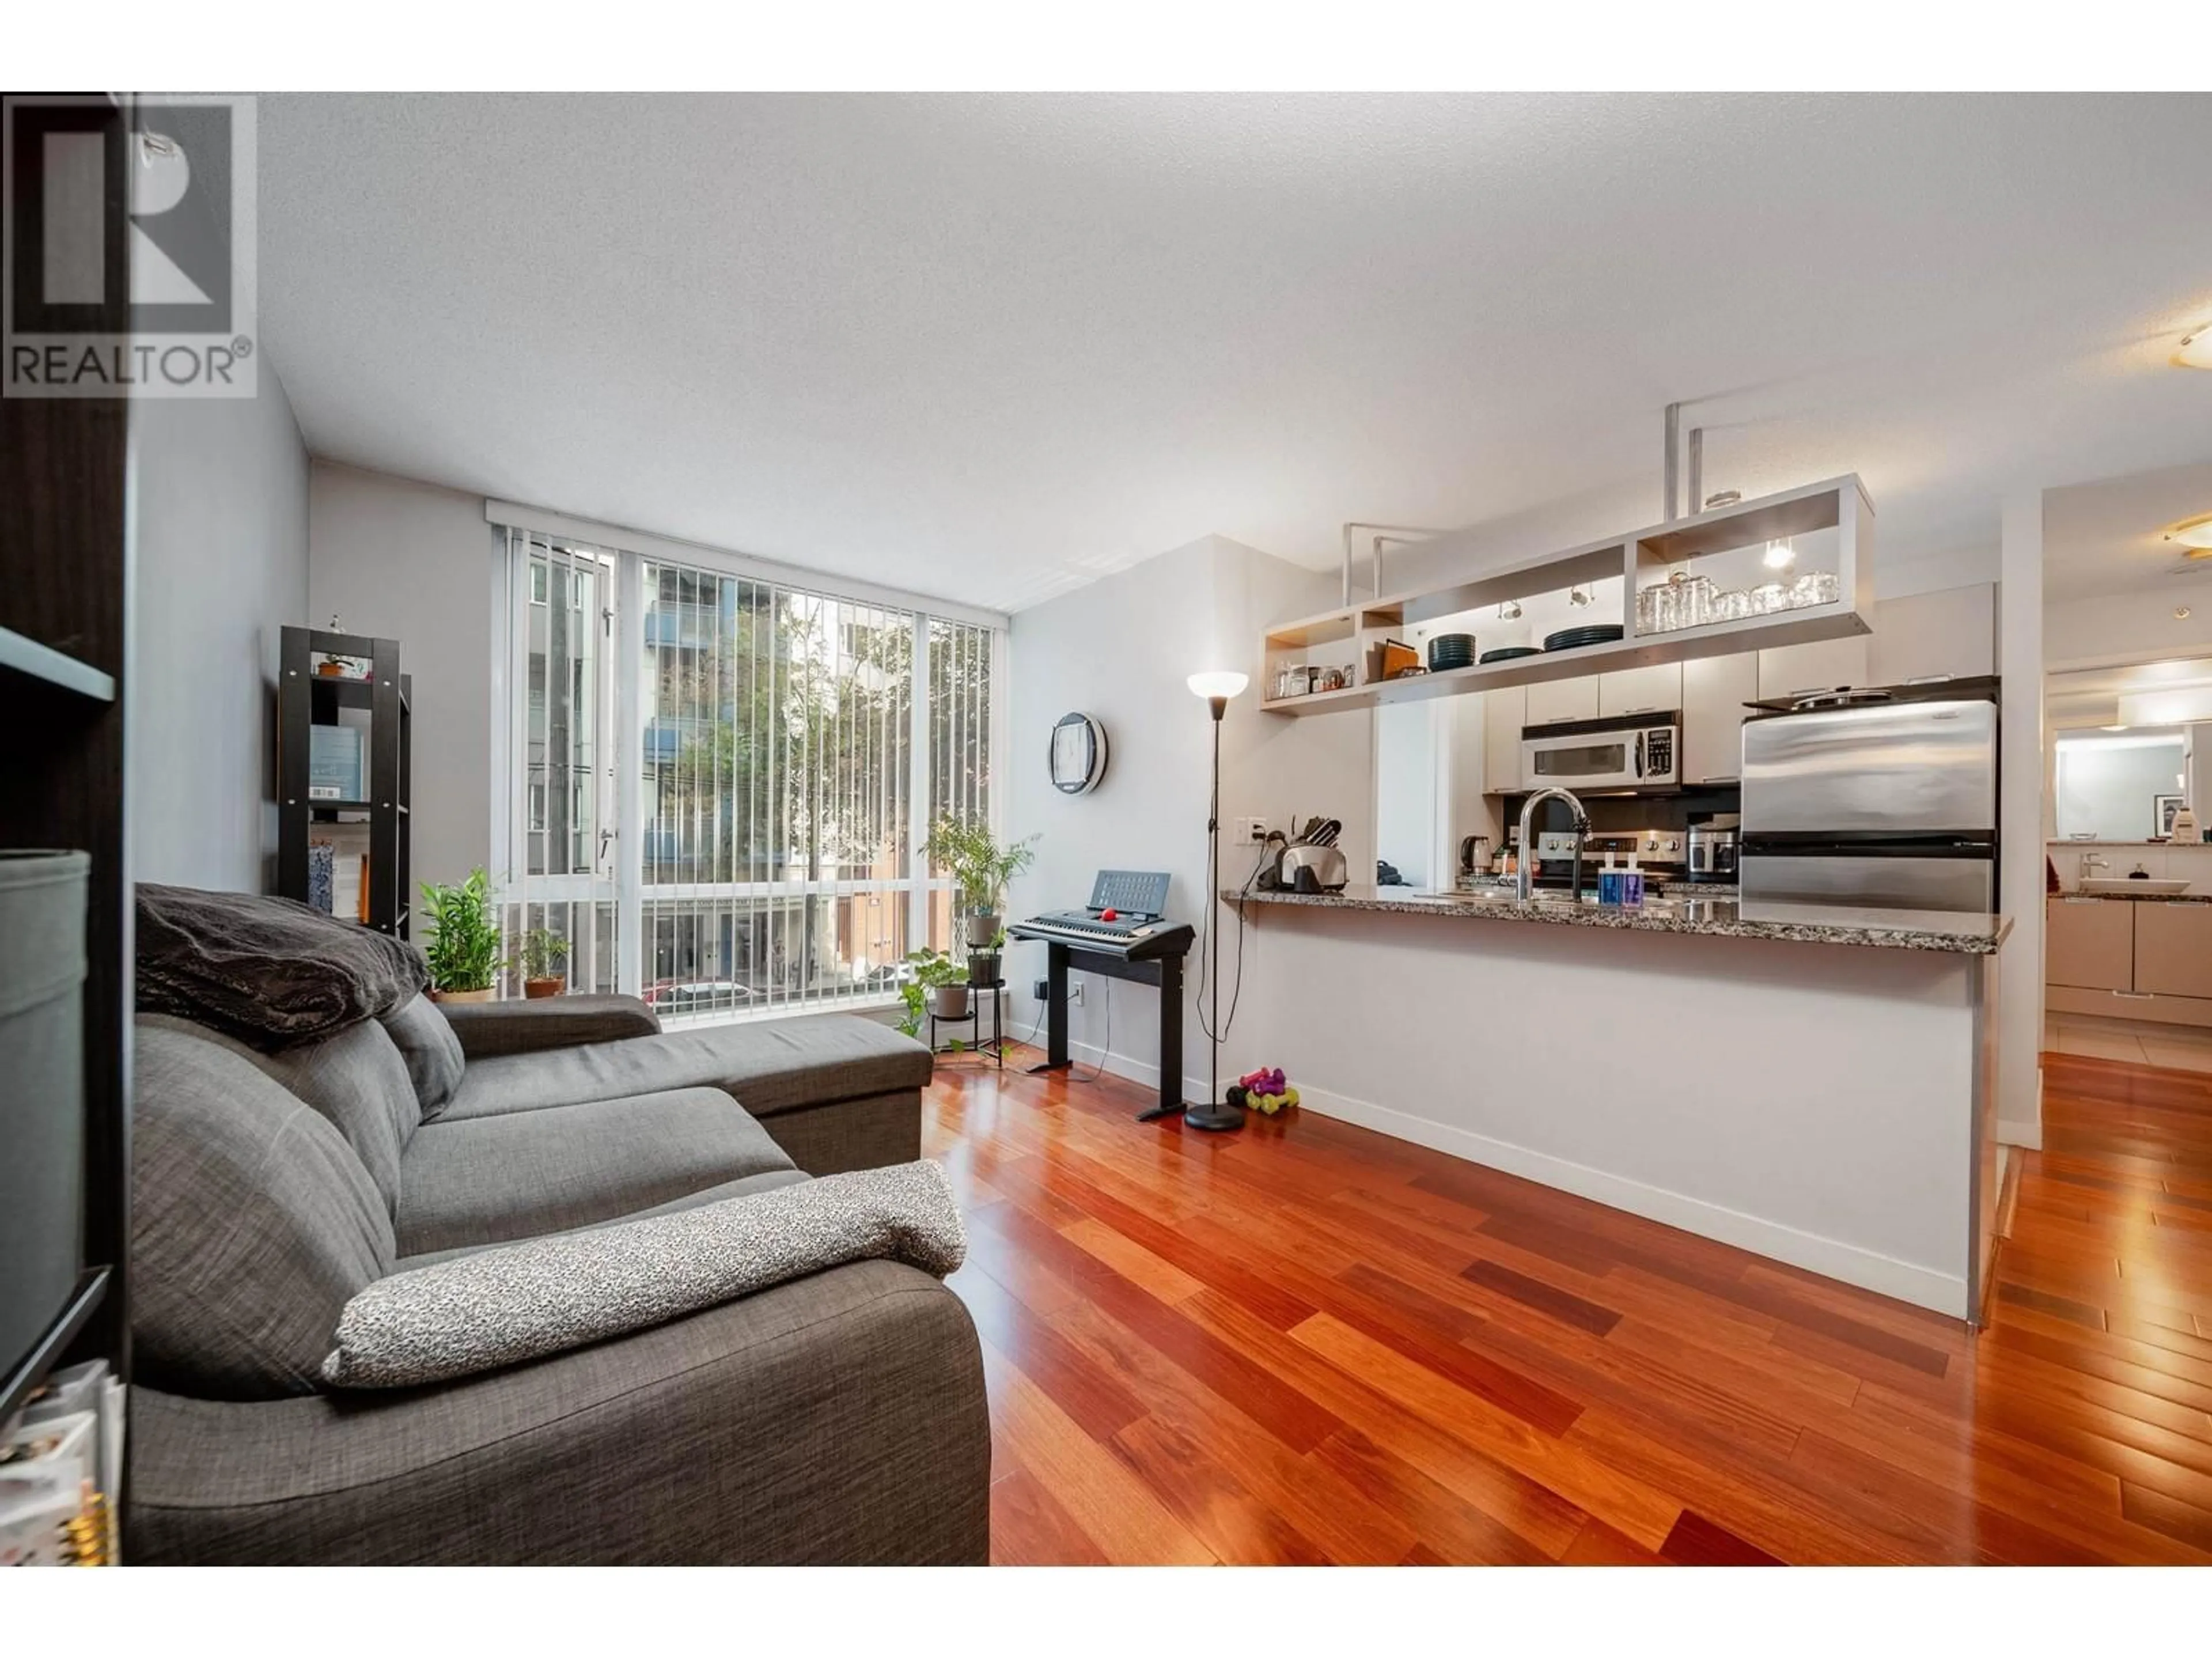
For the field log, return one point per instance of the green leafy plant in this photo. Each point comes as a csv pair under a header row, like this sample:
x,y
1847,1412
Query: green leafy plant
x,y
463,950
979,866
926,971
541,954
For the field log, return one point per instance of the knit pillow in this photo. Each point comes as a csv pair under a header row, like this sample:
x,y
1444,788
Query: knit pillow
x,y
519,1302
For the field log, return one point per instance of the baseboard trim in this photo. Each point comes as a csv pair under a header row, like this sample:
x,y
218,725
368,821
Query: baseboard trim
x,y
2013,1133
1088,1055
1924,1288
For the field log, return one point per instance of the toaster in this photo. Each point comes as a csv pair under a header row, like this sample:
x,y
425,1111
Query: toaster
x,y
1307,869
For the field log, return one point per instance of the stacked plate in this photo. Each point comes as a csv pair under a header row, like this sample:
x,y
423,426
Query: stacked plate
x,y
1507,653
1573,638
1450,651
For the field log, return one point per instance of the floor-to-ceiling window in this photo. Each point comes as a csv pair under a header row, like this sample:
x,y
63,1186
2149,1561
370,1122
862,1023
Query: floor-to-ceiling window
x,y
718,783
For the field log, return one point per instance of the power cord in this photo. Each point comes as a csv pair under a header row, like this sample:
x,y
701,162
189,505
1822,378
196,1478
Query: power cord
x,y
1236,992
1106,1053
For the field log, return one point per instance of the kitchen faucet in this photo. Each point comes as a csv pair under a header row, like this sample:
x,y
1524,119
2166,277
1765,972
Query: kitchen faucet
x,y
1525,883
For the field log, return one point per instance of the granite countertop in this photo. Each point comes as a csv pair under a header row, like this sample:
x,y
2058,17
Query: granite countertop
x,y
1958,932
2140,898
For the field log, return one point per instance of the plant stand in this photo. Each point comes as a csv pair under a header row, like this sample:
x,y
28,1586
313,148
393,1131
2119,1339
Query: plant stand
x,y
996,1048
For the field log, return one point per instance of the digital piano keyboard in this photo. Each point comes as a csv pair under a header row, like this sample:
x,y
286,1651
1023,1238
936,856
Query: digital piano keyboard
x,y
1123,919
1134,940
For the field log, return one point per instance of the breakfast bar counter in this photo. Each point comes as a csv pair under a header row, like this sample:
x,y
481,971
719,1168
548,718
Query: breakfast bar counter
x,y
1813,1083
1720,918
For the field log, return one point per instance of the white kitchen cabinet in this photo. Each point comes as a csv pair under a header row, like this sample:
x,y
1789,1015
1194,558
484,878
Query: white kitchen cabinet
x,y
2173,947
1552,700
1714,692
1794,670
1640,690
1952,632
2090,943
1504,712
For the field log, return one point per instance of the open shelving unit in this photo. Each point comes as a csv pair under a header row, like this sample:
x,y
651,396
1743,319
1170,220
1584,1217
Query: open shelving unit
x,y
308,697
1833,520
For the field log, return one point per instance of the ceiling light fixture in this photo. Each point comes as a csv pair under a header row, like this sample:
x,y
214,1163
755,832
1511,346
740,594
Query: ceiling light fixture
x,y
2181,613
2194,534
1780,556
2195,350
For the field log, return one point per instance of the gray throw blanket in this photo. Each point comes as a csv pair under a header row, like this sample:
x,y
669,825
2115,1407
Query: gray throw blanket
x,y
517,1302
268,971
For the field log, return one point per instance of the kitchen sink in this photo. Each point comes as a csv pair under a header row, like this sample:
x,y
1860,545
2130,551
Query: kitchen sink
x,y
2121,887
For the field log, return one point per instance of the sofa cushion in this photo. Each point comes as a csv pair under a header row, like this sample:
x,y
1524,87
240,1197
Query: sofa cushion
x,y
767,1182
269,970
354,1078
768,1066
252,1223
517,1174
419,1030
490,1029
544,1296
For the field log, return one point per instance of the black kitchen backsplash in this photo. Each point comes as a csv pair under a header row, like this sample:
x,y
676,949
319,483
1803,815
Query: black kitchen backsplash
x,y
1610,814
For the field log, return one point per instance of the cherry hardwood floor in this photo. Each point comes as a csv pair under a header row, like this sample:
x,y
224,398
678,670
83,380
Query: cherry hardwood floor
x,y
1305,1342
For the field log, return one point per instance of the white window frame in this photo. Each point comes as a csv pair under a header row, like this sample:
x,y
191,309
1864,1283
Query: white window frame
x,y
619,815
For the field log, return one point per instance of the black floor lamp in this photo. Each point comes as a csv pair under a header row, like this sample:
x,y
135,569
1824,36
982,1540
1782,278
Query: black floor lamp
x,y
1217,687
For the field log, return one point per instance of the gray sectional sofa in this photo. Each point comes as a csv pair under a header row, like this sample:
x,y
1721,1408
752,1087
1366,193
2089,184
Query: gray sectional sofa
x,y
840,1418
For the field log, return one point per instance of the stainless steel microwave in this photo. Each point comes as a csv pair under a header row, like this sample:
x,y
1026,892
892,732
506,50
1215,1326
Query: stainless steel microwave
x,y
1607,754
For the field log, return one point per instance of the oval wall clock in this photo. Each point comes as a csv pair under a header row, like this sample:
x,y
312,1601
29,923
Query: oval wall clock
x,y
1079,754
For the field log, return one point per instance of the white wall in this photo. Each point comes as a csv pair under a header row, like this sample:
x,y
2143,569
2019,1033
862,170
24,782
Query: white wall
x,y
2021,764
1120,650
220,506
1406,758
413,562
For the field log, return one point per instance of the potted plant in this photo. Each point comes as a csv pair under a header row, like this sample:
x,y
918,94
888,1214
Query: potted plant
x,y
540,961
938,983
463,950
983,964
981,867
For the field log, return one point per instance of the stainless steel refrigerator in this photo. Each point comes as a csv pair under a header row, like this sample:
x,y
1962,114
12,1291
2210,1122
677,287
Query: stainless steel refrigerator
x,y
1888,800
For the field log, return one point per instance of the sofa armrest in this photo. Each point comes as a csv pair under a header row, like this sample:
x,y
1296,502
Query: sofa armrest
x,y
839,1419
487,1028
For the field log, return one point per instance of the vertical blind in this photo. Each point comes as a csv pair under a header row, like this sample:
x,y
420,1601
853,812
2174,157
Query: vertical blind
x,y
784,780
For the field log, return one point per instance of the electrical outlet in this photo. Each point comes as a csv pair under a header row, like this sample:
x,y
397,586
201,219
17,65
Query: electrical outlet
x,y
1252,832
1075,992
1040,988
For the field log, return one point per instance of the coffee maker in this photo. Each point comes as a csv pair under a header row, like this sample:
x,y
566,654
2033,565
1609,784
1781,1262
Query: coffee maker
x,y
1713,849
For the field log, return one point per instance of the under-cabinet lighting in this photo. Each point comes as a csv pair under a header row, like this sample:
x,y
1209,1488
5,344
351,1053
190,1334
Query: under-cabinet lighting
x,y
1780,556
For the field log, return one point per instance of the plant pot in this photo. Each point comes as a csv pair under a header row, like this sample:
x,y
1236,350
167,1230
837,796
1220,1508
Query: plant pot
x,y
982,928
551,986
489,993
949,1001
982,967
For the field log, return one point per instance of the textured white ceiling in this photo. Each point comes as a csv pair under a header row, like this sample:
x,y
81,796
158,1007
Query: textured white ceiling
x,y
992,347
2108,537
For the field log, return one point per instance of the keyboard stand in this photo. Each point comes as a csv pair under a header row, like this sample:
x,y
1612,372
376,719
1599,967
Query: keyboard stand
x,y
1165,972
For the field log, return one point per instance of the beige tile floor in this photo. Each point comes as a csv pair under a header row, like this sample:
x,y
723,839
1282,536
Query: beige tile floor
x,y
2182,1047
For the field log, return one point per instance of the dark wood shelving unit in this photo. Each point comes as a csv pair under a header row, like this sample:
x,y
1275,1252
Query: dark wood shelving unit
x,y
65,606
307,699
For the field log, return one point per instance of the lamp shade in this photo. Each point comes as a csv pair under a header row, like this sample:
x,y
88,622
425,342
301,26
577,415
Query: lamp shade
x,y
1218,682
